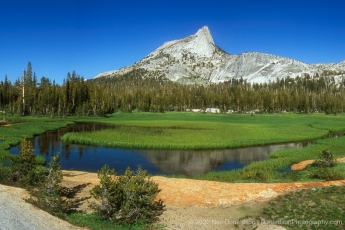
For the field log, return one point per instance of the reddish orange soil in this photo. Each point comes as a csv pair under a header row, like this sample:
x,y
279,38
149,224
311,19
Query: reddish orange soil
x,y
188,192
301,165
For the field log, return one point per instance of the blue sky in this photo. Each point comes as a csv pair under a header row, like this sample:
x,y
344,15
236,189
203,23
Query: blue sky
x,y
90,37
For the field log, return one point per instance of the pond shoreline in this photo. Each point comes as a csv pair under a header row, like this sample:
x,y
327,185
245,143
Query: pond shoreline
x,y
157,162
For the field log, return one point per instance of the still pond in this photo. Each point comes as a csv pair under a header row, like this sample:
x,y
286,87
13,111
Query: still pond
x,y
187,162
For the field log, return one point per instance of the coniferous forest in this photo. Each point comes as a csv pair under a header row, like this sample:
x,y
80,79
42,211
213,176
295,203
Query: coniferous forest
x,y
131,92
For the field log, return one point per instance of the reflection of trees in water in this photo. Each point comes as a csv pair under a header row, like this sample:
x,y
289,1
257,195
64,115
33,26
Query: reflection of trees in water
x,y
49,143
189,163
80,151
192,163
66,151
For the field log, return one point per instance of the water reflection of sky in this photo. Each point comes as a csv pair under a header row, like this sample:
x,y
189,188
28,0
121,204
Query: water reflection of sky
x,y
119,159
190,163
86,158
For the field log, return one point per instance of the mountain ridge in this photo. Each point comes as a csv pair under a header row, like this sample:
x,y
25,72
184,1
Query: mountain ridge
x,y
197,59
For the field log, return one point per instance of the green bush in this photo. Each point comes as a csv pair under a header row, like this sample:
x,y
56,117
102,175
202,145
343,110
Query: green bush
x,y
51,196
24,163
321,167
24,169
128,198
5,177
42,183
326,174
326,159
257,174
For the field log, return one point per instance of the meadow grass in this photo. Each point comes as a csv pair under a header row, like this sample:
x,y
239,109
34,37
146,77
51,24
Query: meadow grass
x,y
277,168
28,126
202,131
193,131
312,205
95,222
20,127
174,130
207,131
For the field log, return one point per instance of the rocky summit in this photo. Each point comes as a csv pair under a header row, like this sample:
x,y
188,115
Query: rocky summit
x,y
197,59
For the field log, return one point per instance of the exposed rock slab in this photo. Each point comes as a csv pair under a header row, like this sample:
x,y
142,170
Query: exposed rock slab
x,y
15,213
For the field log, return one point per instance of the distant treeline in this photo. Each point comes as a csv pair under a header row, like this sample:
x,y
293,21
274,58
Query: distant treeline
x,y
131,92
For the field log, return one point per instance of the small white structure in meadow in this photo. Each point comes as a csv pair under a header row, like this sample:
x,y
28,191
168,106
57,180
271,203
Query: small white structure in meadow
x,y
194,110
212,110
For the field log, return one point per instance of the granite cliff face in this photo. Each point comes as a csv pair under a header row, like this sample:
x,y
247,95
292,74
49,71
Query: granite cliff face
x,y
196,58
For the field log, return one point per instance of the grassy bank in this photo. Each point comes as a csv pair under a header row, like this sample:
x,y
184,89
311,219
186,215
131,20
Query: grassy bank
x,y
276,169
191,131
313,208
207,131
201,131
317,208
26,126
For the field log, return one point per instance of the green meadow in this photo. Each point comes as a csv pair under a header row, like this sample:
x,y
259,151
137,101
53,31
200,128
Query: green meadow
x,y
207,131
211,131
175,130
20,127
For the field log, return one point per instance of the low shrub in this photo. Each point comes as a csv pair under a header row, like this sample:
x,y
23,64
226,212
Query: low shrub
x,y
326,159
5,177
23,170
325,173
51,196
321,168
258,174
128,198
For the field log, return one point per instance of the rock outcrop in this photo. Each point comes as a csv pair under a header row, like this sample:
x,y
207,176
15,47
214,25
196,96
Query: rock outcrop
x,y
196,59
